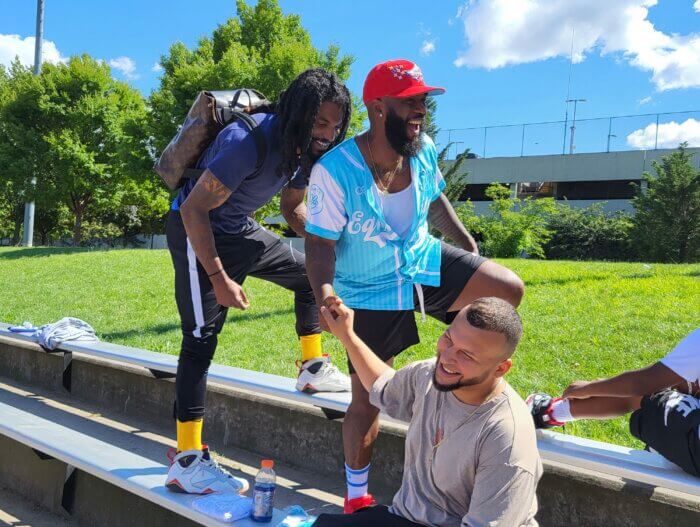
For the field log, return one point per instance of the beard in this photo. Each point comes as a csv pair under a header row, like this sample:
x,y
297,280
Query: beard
x,y
456,385
395,131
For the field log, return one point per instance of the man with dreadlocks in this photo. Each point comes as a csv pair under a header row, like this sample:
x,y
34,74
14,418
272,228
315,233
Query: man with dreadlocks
x,y
215,244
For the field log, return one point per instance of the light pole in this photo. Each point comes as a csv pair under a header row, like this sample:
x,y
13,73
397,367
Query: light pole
x,y
28,238
609,136
457,148
573,123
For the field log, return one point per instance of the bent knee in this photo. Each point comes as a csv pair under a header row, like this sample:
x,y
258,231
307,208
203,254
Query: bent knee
x,y
514,289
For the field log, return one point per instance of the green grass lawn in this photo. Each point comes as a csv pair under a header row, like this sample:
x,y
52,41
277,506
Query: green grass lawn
x,y
582,319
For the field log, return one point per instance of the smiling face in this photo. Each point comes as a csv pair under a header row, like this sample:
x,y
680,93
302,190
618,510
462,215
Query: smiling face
x,y
326,128
469,356
404,122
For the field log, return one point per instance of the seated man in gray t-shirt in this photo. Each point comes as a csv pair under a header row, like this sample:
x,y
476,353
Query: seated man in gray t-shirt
x,y
471,455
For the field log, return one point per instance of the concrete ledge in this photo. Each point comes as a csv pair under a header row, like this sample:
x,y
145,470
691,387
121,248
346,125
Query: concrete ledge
x,y
295,433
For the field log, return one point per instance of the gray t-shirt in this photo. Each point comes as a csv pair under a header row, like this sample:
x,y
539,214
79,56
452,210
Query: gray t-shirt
x,y
486,468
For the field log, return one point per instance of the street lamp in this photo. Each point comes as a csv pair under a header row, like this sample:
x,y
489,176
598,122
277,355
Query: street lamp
x,y
573,123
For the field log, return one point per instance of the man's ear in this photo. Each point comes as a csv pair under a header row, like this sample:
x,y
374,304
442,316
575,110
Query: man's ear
x,y
377,108
503,367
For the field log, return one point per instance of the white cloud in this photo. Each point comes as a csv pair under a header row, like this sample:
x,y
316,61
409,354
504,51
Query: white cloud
x,y
645,100
503,32
696,5
126,66
158,68
427,48
670,135
12,46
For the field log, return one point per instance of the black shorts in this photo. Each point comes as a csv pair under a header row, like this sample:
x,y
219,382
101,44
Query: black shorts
x,y
388,333
669,422
378,516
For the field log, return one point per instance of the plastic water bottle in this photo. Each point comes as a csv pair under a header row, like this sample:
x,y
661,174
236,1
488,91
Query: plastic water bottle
x,y
264,492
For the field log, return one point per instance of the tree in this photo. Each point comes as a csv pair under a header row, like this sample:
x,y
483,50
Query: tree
x,y
81,133
260,48
430,122
455,179
22,150
667,219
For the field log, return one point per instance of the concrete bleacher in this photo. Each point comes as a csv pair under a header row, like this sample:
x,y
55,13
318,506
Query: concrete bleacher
x,y
578,454
122,468
645,467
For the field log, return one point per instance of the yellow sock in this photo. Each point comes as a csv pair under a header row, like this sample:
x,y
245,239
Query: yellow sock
x,y
311,347
189,435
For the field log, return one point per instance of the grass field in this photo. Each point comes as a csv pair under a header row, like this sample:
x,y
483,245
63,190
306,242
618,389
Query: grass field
x,y
582,319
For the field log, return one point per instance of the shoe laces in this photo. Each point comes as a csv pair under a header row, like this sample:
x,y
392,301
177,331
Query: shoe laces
x,y
218,468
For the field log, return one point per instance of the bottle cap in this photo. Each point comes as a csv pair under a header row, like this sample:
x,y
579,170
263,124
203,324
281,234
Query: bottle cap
x,y
267,463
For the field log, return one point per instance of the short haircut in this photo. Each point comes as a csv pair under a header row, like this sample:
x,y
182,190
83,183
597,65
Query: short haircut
x,y
495,314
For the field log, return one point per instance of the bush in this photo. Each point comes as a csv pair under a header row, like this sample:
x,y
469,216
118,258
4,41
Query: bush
x,y
588,234
514,227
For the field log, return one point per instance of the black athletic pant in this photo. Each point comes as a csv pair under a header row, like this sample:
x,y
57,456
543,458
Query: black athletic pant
x,y
669,422
378,516
255,252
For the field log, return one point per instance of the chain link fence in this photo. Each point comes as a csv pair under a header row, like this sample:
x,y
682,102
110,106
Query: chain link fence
x,y
649,131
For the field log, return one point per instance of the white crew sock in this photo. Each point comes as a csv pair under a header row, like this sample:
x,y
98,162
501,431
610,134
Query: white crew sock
x,y
356,481
561,411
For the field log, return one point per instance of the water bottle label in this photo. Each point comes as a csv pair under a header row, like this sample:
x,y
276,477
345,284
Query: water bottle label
x,y
262,500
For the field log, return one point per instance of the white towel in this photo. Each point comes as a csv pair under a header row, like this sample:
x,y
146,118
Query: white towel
x,y
51,335
224,507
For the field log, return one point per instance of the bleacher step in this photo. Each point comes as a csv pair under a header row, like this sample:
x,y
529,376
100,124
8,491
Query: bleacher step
x,y
146,446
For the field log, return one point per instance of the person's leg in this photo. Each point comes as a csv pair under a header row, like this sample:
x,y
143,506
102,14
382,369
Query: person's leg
x,y
464,277
490,279
283,265
386,333
201,321
669,423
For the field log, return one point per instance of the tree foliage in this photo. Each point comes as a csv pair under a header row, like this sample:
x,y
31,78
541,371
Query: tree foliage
x,y
667,219
261,48
589,234
79,133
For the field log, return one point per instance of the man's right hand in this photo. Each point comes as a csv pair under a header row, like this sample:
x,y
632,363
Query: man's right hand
x,y
228,292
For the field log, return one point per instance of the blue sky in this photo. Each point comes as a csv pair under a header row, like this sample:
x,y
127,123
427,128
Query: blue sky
x,y
502,61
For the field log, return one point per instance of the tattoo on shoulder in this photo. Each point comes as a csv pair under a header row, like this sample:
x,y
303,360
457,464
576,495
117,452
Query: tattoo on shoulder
x,y
213,185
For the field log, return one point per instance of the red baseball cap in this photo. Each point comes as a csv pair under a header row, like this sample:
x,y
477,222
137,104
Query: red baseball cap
x,y
396,78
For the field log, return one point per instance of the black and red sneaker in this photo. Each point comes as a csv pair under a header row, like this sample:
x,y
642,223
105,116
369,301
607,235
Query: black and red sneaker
x,y
357,504
541,406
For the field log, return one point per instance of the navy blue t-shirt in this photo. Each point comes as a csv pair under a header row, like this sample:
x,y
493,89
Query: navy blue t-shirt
x,y
231,158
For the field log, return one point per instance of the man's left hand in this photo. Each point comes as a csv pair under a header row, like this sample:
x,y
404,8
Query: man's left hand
x,y
339,318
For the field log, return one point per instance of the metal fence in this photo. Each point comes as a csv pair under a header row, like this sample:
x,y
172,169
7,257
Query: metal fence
x,y
601,134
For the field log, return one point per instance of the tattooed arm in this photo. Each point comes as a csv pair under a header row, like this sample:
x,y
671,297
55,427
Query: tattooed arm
x,y
206,195
294,209
442,216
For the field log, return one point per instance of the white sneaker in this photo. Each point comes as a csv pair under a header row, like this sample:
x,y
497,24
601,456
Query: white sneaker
x,y
194,472
321,375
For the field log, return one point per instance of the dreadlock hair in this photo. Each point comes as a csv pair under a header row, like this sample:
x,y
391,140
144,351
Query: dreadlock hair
x,y
297,108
